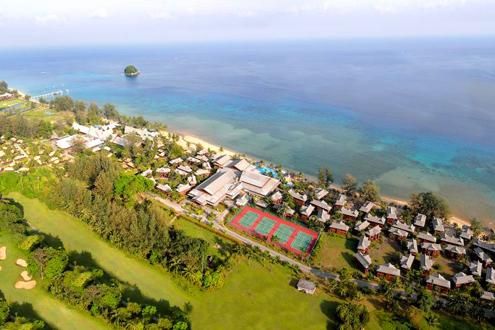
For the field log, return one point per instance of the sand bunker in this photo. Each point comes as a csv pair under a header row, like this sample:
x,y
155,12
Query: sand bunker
x,y
21,262
3,253
25,276
25,285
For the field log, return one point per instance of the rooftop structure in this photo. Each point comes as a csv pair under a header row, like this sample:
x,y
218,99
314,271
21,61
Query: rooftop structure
x,y
420,220
460,279
425,262
388,269
446,238
438,280
367,207
476,268
306,286
363,259
437,225
375,220
320,193
427,237
321,205
490,276
412,246
361,225
407,261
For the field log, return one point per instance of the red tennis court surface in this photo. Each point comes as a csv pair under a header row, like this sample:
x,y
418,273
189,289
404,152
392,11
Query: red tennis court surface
x,y
290,236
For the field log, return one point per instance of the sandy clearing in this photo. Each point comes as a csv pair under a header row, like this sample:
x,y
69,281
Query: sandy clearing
x,y
25,276
3,253
21,262
25,285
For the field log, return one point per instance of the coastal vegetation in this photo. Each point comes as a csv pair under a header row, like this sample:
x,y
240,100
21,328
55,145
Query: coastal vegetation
x,y
131,71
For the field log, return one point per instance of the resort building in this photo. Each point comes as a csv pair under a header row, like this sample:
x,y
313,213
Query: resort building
x,y
461,279
144,133
323,216
476,268
361,226
391,215
340,202
306,211
163,188
321,205
298,198
412,246
452,240
339,227
349,214
277,198
388,271
420,220
488,296
374,233
320,193
438,283
183,188
426,237
162,172
483,257
214,189
367,207
490,276
363,245
437,225
466,233
256,183
431,249
306,286
404,226
406,262
398,234
454,252
222,161
425,264
375,220
364,260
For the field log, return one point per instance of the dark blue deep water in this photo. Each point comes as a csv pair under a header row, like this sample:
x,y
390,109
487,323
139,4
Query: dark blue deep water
x,y
413,115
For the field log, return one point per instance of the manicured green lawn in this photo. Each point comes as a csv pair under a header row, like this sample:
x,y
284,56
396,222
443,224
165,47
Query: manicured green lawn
x,y
335,252
384,251
54,312
194,230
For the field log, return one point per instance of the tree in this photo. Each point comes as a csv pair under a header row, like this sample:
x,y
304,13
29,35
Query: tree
x,y
110,111
476,227
429,204
325,176
131,71
4,87
349,183
352,316
425,301
62,103
369,191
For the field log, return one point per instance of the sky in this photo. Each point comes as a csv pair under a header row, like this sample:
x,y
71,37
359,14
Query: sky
x,y
65,22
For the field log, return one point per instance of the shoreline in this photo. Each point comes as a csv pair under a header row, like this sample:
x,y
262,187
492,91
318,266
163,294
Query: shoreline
x,y
185,138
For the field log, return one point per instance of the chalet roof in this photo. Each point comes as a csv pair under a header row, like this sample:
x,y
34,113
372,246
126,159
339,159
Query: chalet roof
x,y
163,187
466,233
257,183
367,207
374,219
485,245
183,187
392,212
438,280
223,160
476,267
425,236
404,226
276,196
320,193
298,196
376,230
363,243
174,161
339,225
349,212
323,216
446,238
321,205
240,164
437,224
388,269
361,225
364,259
461,278
425,262
431,246
412,245
307,210
420,220
407,261
490,275
455,249
482,255
163,170
490,296
306,285
398,232
341,200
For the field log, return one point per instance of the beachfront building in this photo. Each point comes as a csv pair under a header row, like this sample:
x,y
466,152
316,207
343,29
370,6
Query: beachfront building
x,y
452,240
454,251
438,283
306,211
321,205
68,142
404,226
320,193
461,279
398,234
364,260
426,237
340,202
431,249
425,264
367,207
420,220
363,244
258,184
6,96
361,226
483,257
466,233
437,225
391,215
222,161
144,133
339,227
388,272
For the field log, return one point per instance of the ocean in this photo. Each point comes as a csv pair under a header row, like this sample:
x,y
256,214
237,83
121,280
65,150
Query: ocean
x,y
413,115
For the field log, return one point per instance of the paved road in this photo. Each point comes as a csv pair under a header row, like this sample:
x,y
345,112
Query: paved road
x,y
218,225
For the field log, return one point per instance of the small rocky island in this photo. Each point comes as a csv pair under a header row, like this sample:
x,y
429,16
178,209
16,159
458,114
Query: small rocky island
x,y
131,71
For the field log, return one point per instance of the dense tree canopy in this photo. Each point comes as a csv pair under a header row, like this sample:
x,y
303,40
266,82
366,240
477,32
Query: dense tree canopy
x,y
429,204
131,71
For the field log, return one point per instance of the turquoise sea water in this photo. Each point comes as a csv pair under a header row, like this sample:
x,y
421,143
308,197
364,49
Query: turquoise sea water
x,y
413,115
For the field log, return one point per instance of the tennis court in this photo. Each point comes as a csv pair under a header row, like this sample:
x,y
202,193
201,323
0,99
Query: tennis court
x,y
302,241
248,219
283,233
265,226
290,236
